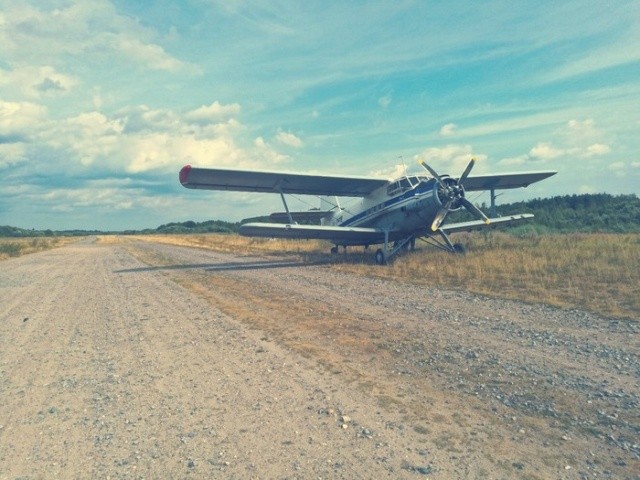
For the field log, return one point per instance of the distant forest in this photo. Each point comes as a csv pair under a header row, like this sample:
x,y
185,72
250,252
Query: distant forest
x,y
568,213
573,213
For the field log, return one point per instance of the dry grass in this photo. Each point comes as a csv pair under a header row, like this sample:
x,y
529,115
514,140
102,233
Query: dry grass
x,y
15,247
597,272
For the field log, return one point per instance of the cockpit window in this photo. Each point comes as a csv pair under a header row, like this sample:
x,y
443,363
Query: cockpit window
x,y
402,185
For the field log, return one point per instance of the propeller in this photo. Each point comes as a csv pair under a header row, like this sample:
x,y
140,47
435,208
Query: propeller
x,y
451,194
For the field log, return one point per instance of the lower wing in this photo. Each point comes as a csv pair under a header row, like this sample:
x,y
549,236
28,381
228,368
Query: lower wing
x,y
357,235
478,224
318,232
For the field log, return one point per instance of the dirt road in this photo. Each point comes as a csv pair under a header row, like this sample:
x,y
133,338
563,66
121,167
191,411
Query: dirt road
x,y
151,361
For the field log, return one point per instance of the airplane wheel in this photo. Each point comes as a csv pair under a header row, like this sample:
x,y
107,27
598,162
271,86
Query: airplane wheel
x,y
459,249
381,258
334,250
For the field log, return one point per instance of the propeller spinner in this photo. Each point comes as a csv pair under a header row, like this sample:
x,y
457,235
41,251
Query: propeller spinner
x,y
451,194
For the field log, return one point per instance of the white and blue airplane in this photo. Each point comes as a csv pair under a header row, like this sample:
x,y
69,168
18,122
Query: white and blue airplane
x,y
392,213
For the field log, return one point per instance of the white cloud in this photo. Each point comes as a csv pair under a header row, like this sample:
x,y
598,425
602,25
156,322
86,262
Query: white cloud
x,y
544,151
91,197
452,159
510,124
448,130
384,101
617,166
266,155
36,82
579,131
597,149
11,154
19,119
289,139
137,139
391,172
213,113
93,29
161,151
152,55
90,136
573,141
584,189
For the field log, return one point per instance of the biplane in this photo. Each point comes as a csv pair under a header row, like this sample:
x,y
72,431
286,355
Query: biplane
x,y
392,213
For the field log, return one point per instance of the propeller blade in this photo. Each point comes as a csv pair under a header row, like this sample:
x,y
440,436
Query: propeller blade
x,y
433,173
437,221
474,210
466,172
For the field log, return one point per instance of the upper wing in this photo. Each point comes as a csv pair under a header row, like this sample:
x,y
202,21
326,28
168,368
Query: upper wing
x,y
307,232
278,182
505,180
478,224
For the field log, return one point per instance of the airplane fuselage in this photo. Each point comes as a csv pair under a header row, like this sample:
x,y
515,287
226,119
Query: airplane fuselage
x,y
403,206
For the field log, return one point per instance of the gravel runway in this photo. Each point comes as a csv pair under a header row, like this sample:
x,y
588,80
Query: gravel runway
x,y
141,360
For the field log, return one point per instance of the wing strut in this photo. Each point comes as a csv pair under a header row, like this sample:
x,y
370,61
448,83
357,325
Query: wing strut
x,y
286,207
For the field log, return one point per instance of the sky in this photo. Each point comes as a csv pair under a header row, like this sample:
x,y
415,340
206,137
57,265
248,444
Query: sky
x,y
103,101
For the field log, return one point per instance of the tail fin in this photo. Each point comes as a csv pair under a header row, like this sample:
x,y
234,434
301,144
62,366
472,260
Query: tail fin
x,y
332,205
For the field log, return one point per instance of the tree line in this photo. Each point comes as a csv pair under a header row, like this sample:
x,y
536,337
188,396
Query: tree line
x,y
580,213
599,212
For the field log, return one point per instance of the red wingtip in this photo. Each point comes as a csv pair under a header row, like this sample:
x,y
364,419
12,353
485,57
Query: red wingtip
x,y
184,173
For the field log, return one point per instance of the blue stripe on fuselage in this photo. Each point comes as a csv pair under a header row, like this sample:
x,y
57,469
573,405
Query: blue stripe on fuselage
x,y
377,210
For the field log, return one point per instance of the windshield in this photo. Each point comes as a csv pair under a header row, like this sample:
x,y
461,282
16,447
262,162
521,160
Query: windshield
x,y
402,185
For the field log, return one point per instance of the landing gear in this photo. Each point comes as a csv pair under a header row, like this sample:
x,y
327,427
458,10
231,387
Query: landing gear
x,y
445,243
334,250
459,249
385,254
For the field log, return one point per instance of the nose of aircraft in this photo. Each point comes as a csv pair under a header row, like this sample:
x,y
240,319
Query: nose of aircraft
x,y
453,191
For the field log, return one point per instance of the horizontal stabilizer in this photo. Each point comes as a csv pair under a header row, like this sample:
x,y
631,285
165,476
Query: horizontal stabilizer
x,y
310,216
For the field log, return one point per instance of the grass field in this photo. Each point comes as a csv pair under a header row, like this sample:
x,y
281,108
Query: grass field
x,y
14,247
595,272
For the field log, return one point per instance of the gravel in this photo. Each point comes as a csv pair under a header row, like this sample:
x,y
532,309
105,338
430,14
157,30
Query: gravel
x,y
200,364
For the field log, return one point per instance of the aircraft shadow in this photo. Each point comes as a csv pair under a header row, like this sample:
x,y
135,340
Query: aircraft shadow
x,y
265,265
229,266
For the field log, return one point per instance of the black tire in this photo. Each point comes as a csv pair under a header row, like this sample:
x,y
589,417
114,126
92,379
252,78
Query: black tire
x,y
334,250
381,258
459,249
